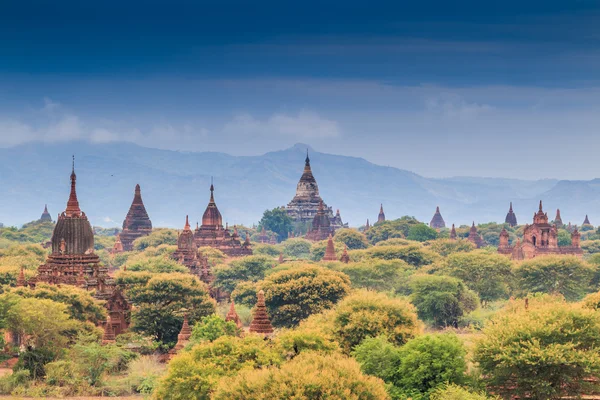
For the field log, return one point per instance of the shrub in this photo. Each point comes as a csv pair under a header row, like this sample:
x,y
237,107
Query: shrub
x,y
251,268
455,392
297,248
352,238
211,328
415,255
379,275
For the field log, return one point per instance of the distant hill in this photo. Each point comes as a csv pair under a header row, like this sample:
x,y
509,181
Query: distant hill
x,y
176,183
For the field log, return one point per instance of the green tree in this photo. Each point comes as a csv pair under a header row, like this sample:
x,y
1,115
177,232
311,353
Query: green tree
x,y
292,295
378,275
212,327
159,305
277,221
251,268
565,275
441,300
297,248
445,247
156,238
317,250
487,274
421,233
415,255
245,293
397,228
308,376
379,358
455,392
194,374
352,238
547,350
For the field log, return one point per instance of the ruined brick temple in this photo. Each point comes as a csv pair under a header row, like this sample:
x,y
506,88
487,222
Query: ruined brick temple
x,y
137,222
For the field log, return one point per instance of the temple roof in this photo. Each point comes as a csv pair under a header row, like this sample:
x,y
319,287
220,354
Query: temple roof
x,y
73,204
307,186
511,217
381,216
321,219
437,221
586,221
212,216
46,215
137,217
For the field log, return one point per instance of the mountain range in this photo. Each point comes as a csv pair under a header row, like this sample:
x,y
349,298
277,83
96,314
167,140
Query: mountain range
x,y
177,183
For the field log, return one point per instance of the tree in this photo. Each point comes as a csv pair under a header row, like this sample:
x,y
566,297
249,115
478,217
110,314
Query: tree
x,y
251,268
297,248
160,304
378,275
378,357
245,293
429,361
193,375
487,274
455,392
292,295
270,250
352,238
546,350
369,314
156,260
441,300
317,250
156,238
445,247
415,255
291,342
211,328
308,376
277,221
397,228
565,275
421,233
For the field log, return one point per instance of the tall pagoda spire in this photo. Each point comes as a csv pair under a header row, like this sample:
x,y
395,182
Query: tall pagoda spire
x,y
511,218
453,233
183,338
381,216
73,209
558,220
330,251
46,217
586,221
212,217
21,278
261,322
137,222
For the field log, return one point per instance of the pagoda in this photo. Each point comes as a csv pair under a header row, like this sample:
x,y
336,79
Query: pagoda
x,y
453,235
511,217
381,216
437,222
263,238
330,251
233,316
183,338
367,225
586,221
46,217
212,234
474,237
187,251
540,238
558,220
260,321
118,246
337,222
73,249
305,204
109,335
321,227
137,223
345,258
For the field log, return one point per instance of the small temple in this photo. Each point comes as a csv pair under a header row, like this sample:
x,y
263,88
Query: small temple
x,y
558,220
330,251
137,222
586,221
453,235
474,237
321,227
46,217
345,258
437,222
511,217
183,338
212,234
381,216
367,225
305,204
260,322
539,239
118,246
233,316
187,251
109,334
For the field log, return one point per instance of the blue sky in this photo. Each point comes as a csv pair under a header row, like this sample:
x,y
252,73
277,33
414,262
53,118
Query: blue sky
x,y
507,89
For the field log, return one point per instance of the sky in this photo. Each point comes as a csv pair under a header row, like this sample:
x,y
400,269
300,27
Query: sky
x,y
494,89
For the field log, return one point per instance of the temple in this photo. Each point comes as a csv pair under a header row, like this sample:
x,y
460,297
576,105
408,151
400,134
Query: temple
x,y
474,237
558,220
212,234
586,221
511,217
183,338
437,222
187,251
453,235
260,322
330,251
46,217
118,246
337,222
539,239
233,316
305,204
367,225
137,223
321,227
345,258
109,335
381,216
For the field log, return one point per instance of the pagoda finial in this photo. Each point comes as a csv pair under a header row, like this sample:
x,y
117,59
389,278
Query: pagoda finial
x,y
510,209
307,160
187,224
540,205
72,204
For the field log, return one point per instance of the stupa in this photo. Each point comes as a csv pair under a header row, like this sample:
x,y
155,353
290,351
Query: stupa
x,y
345,258
474,237
437,222
381,216
511,217
183,338
321,227
137,223
233,316
260,321
330,251
46,217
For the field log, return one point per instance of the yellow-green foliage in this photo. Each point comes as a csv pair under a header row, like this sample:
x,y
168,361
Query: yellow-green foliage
x,y
376,274
195,373
367,314
297,248
292,295
455,392
317,250
155,259
28,256
291,342
396,242
267,249
32,232
544,351
156,238
592,301
215,256
352,238
414,254
445,247
308,376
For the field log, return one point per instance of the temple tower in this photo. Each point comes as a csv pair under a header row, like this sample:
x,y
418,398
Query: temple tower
x,y
260,321
453,233
233,316
137,222
586,221
511,217
321,227
558,220
381,216
183,338
187,251
46,217
330,251
474,237
437,222
345,258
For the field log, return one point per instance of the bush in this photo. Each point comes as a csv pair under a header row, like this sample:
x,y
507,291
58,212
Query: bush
x,y
292,342
297,248
378,275
415,255
455,392
144,372
546,350
421,233
378,357
267,250
441,300
292,295
308,376
352,238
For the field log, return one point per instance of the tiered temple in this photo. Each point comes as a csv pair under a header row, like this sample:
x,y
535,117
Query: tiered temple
x,y
321,227
330,251
437,222
260,321
118,246
539,239
187,251
46,217
511,217
381,216
137,223
305,204
474,237
212,234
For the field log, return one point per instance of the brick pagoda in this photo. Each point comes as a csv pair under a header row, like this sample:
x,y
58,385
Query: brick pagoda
x,y
137,222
